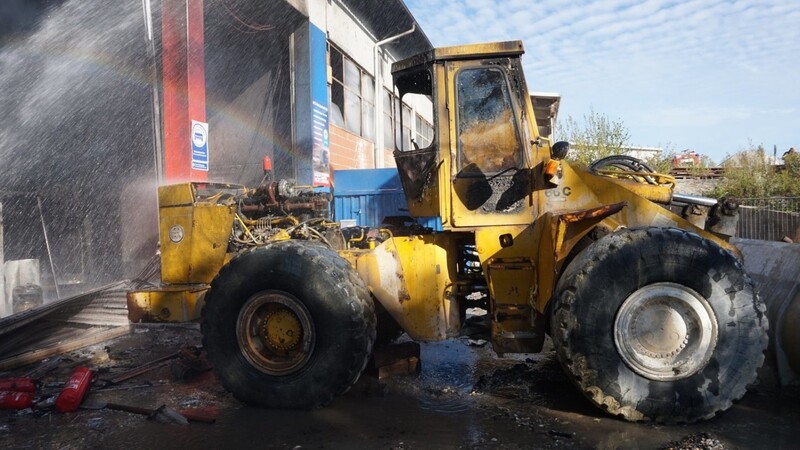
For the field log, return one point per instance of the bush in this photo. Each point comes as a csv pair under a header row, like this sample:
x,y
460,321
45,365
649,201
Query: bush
x,y
750,174
597,137
789,179
662,162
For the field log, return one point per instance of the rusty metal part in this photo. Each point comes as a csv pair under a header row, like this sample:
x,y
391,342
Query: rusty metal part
x,y
275,332
163,414
283,197
695,214
177,303
724,217
594,213
191,362
126,387
288,207
144,368
665,331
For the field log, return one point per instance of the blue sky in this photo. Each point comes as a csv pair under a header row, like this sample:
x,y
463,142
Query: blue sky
x,y
706,75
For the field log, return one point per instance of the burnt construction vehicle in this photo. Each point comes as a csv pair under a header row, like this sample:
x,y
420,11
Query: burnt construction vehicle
x,y
650,311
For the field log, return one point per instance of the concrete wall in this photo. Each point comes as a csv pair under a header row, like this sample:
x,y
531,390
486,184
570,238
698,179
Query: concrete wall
x,y
694,186
349,36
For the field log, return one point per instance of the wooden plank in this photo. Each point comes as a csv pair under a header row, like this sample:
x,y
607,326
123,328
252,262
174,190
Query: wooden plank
x,y
40,354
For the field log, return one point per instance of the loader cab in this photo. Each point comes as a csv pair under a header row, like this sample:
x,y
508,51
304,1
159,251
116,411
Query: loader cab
x,y
480,168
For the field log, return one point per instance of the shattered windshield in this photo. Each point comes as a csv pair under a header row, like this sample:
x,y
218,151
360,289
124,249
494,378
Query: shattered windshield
x,y
488,141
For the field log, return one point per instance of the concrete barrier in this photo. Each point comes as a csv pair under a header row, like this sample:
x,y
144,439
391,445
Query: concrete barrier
x,y
775,269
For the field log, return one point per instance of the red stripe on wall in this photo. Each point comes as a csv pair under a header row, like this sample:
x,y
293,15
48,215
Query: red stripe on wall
x,y
183,72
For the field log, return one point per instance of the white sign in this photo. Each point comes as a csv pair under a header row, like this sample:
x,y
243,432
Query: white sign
x,y
199,139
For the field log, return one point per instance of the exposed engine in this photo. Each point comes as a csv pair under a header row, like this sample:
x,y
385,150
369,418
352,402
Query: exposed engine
x,y
285,198
280,210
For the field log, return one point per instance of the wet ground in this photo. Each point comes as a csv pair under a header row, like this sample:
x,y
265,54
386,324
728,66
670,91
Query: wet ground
x,y
464,397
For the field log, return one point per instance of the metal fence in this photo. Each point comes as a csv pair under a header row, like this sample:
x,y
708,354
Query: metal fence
x,y
769,219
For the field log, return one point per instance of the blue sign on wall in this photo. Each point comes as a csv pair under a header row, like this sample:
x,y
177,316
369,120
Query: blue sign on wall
x,y
318,47
199,146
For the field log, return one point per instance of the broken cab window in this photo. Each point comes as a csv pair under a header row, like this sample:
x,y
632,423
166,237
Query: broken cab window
x,y
488,140
414,127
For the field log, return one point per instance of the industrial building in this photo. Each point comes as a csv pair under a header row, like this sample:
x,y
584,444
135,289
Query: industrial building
x,y
107,103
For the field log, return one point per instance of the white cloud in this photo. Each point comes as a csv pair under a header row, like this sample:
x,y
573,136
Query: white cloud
x,y
670,65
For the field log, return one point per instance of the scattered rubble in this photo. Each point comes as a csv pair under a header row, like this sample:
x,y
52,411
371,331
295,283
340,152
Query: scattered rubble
x,y
135,369
531,381
508,404
64,326
696,441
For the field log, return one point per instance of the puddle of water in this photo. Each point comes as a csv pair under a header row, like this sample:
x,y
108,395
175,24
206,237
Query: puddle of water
x,y
437,409
446,377
433,410
394,421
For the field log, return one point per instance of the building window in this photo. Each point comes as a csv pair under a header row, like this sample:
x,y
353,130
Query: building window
x,y
353,94
402,136
393,136
388,119
424,132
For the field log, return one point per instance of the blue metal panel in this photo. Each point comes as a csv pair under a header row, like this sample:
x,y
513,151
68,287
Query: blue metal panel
x,y
370,195
367,181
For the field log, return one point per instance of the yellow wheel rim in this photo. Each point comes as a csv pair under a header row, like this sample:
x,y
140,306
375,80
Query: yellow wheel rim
x,y
275,332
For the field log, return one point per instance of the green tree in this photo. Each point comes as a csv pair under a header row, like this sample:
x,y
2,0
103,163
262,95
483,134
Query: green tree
x,y
594,138
789,179
662,161
751,174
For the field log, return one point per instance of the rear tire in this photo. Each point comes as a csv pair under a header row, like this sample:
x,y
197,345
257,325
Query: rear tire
x,y
289,325
659,325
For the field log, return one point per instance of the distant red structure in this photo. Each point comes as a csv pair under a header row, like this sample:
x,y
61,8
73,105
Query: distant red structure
x,y
688,158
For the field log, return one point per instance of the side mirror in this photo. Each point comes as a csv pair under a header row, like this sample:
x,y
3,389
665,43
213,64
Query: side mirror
x,y
559,150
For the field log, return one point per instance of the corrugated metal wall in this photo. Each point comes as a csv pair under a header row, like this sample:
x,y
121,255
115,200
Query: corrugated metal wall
x,y
368,196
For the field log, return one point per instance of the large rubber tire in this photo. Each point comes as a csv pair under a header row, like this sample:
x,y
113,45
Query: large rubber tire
x,y
321,287
705,340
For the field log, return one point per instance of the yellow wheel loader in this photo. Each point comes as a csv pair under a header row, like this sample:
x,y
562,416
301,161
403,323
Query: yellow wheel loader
x,y
649,309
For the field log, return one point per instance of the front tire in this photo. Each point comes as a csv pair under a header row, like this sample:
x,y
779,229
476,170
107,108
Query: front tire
x,y
659,325
289,325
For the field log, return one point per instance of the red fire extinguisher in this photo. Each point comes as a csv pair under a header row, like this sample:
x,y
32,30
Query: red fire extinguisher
x,y
18,384
72,395
15,400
